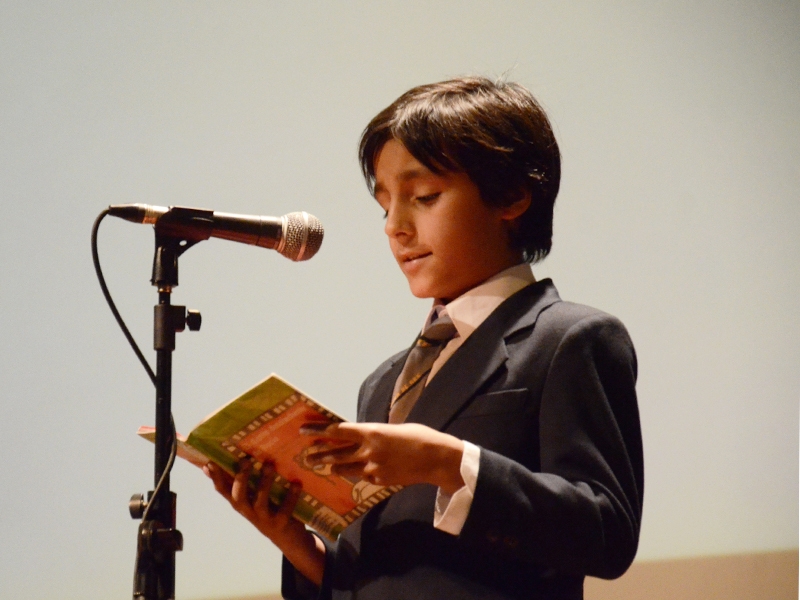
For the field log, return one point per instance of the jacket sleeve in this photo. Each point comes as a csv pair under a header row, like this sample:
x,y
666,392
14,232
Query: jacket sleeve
x,y
579,510
295,586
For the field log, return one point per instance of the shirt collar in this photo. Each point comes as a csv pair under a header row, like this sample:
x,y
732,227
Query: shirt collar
x,y
470,309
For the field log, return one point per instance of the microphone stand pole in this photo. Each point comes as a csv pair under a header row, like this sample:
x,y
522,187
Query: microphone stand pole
x,y
158,540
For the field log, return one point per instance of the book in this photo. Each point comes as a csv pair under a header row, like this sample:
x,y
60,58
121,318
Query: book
x,y
263,424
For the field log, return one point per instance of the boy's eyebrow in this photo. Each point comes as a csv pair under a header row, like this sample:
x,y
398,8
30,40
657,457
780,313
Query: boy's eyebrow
x,y
406,175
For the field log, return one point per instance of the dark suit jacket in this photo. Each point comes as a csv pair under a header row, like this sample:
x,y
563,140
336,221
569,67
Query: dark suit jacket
x,y
546,389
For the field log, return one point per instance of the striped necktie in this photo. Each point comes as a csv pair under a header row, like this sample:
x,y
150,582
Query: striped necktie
x,y
418,365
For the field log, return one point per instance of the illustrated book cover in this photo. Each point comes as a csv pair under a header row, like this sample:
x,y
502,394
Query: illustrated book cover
x,y
263,424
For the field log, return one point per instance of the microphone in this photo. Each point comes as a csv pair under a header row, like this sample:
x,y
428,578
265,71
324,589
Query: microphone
x,y
297,235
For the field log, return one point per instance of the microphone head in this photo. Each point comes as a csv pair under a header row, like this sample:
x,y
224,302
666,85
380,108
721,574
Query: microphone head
x,y
301,236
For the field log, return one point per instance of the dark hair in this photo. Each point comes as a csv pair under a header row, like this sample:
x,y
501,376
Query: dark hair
x,y
495,132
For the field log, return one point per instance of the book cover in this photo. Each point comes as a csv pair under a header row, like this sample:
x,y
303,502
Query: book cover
x,y
263,424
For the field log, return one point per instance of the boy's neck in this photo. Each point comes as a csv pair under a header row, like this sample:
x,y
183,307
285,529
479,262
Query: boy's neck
x,y
521,270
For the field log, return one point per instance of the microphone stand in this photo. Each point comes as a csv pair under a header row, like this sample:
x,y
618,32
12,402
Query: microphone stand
x,y
158,539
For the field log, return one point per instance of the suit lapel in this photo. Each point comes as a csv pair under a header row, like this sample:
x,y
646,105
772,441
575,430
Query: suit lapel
x,y
376,410
477,359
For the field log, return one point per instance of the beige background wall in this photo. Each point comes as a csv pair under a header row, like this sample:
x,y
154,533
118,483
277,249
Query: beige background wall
x,y
763,576
679,213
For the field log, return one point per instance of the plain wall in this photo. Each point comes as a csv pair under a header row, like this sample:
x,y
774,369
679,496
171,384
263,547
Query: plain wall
x,y
679,213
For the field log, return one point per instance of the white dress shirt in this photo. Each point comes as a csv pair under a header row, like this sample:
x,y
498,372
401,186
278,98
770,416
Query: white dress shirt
x,y
467,312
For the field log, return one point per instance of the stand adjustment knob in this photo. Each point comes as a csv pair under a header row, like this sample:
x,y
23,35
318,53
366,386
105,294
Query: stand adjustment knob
x,y
136,506
193,320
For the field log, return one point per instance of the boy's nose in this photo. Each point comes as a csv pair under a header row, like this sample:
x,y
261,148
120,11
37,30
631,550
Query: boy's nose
x,y
398,222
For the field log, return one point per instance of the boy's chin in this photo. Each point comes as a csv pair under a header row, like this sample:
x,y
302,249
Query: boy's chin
x,y
421,293
420,290
439,294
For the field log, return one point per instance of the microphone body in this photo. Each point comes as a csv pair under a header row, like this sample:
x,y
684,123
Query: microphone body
x,y
296,235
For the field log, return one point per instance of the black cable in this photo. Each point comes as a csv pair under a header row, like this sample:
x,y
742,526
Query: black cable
x,y
135,346
174,450
170,461
111,305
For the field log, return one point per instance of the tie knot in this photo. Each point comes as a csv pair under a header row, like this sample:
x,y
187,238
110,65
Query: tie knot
x,y
419,361
437,333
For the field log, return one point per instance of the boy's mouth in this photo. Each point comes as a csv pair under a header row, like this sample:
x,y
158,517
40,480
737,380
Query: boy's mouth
x,y
410,262
412,257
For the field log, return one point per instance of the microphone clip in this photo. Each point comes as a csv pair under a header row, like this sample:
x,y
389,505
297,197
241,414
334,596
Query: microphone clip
x,y
176,231
190,224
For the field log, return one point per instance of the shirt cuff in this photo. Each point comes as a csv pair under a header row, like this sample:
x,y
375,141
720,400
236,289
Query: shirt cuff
x,y
451,512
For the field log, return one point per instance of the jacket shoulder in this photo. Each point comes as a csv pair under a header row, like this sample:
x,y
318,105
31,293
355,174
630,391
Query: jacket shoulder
x,y
570,317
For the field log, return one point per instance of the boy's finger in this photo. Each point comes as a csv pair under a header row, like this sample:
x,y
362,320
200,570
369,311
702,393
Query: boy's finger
x,y
216,472
333,455
354,431
315,428
261,504
268,475
355,469
222,481
290,499
333,431
240,481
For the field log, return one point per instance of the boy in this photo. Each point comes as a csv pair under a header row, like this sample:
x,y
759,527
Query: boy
x,y
513,419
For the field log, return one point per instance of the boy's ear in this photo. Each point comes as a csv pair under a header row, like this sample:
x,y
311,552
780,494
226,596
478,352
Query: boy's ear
x,y
521,203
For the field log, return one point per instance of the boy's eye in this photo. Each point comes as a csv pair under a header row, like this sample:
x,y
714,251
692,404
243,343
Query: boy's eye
x,y
428,198
386,214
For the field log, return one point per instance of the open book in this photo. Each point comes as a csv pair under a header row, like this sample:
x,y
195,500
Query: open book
x,y
263,424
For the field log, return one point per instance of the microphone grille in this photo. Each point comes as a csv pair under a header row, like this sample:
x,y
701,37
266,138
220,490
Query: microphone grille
x,y
302,236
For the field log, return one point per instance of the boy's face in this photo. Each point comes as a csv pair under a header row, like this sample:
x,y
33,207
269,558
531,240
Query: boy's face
x,y
444,237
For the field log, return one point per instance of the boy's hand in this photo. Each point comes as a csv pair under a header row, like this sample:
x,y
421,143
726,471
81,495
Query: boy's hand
x,y
302,548
385,454
275,522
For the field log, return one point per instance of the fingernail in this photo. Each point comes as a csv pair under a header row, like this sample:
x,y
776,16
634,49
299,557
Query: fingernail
x,y
312,428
